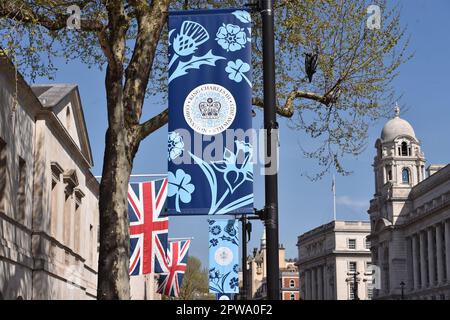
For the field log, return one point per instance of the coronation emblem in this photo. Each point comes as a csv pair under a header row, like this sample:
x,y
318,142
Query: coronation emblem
x,y
209,109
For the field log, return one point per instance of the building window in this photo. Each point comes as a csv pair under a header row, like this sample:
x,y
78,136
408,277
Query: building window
x,y
351,244
351,293
292,283
292,297
369,292
405,176
367,243
404,149
2,173
352,267
21,198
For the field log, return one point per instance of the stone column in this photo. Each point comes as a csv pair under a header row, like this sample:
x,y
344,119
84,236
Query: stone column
x,y
308,284
447,249
431,255
423,261
439,254
320,283
415,260
314,284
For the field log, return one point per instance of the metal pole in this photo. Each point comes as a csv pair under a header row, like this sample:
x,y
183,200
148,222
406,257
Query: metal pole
x,y
244,258
271,127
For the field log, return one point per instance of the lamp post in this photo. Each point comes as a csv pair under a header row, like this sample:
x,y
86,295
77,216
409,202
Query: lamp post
x,y
402,287
354,279
271,127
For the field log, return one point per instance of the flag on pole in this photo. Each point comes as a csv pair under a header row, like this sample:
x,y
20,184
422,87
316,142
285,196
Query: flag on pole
x,y
148,230
333,189
169,283
210,102
223,256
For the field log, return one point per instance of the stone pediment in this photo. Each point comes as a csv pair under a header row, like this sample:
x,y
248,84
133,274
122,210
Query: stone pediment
x,y
65,102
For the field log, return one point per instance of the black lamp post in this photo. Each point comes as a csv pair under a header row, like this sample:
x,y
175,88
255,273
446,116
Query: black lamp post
x,y
355,283
402,287
271,127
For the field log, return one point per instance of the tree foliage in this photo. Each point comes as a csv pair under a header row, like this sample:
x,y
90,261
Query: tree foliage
x,y
127,38
195,281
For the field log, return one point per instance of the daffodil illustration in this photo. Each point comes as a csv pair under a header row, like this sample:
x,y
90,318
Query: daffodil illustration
x,y
236,168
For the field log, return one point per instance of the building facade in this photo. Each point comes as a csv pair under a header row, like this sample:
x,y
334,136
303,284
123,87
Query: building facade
x,y
48,196
328,258
410,217
257,274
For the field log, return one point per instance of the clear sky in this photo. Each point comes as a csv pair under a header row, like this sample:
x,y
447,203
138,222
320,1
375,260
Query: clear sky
x,y
423,81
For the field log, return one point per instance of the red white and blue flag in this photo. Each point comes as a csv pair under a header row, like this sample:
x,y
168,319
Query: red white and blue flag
x,y
148,230
177,255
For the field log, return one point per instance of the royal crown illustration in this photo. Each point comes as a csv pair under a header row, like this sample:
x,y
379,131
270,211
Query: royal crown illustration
x,y
209,109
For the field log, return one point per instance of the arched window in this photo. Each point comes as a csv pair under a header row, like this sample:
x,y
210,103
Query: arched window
x,y
292,283
292,296
405,176
404,149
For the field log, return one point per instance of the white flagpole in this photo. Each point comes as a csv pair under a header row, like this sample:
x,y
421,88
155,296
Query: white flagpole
x,y
176,239
334,198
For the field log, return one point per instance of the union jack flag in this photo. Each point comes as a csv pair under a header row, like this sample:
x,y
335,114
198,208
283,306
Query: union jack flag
x,y
148,231
177,255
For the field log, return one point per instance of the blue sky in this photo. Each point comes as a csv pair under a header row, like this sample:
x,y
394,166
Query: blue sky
x,y
303,204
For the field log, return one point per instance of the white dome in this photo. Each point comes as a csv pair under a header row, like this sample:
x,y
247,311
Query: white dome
x,y
397,127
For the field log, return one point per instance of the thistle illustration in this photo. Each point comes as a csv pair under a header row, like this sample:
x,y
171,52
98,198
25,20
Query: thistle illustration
x,y
191,36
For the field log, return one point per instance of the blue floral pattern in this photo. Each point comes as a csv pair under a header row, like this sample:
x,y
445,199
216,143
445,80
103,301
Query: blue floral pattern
x,y
236,71
199,43
176,145
180,187
223,272
231,37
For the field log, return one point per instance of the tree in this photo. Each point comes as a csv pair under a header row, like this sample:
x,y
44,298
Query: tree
x,y
195,281
351,88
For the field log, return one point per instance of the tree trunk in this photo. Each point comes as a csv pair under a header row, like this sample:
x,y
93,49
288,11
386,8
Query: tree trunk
x,y
113,277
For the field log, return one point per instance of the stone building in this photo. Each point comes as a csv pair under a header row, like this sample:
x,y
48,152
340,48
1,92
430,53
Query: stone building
x,y
257,273
328,257
48,195
410,217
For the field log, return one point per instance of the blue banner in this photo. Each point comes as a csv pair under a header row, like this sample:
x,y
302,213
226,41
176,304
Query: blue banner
x,y
210,156
223,256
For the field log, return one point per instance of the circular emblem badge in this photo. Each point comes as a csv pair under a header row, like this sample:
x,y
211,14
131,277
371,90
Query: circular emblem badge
x,y
223,256
209,109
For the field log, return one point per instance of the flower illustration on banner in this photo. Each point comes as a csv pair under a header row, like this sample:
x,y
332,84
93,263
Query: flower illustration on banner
x,y
190,37
234,283
180,187
213,242
176,145
237,168
229,228
236,268
187,41
243,16
237,69
231,37
216,230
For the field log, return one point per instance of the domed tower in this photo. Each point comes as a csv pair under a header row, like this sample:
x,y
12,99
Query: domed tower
x,y
398,167
399,164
